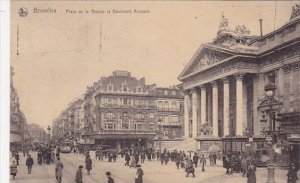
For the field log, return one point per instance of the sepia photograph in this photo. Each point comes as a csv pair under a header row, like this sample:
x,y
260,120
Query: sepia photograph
x,y
154,91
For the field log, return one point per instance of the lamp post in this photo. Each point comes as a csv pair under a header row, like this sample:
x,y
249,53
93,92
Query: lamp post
x,y
269,92
159,136
49,128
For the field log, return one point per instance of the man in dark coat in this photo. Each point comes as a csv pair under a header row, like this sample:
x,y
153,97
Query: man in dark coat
x,y
251,175
29,163
17,156
195,159
88,164
139,175
127,159
78,178
110,180
292,174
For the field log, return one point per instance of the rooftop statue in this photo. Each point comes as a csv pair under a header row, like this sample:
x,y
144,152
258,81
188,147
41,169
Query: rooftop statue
x,y
295,11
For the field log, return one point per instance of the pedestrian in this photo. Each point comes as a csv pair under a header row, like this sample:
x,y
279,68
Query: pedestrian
x,y
17,156
132,162
78,178
189,168
195,159
139,175
110,180
127,159
58,170
251,175
114,156
292,174
211,161
203,162
244,166
13,169
29,163
88,164
143,157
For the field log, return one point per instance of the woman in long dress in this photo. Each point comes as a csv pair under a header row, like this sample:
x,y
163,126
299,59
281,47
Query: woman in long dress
x,y
132,162
13,168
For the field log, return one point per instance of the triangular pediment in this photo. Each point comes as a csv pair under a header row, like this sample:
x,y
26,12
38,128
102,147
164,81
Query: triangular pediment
x,y
205,57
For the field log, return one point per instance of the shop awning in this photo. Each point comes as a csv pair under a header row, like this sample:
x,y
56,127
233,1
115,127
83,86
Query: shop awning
x,y
15,138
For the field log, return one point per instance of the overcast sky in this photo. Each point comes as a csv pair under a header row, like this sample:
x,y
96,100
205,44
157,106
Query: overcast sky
x,y
59,54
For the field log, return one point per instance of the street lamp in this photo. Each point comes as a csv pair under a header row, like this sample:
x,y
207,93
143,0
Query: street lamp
x,y
49,128
159,136
269,92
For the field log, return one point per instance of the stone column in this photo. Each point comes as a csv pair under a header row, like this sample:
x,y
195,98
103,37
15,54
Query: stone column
x,y
194,113
239,104
186,115
203,104
215,108
226,106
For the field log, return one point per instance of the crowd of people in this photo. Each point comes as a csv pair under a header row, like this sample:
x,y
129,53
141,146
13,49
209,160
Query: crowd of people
x,y
236,162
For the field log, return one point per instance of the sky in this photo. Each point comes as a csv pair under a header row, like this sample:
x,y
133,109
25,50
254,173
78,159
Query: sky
x,y
59,53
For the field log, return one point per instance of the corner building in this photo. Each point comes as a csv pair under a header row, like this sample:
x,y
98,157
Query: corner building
x,y
224,83
124,112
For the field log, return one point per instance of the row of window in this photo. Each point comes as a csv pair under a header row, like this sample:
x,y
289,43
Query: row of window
x,y
127,126
168,118
124,88
126,101
166,105
139,116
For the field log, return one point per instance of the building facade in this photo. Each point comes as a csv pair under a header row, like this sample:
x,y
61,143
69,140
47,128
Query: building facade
x,y
37,134
224,84
18,124
121,111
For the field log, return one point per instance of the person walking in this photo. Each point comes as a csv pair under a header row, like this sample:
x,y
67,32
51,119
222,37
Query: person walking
x,y
58,170
244,166
133,162
127,159
195,159
139,174
13,169
78,178
88,164
17,156
251,175
292,174
29,163
189,168
110,179
203,162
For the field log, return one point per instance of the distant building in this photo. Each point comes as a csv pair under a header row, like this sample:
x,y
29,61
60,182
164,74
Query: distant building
x,y
224,83
18,124
37,134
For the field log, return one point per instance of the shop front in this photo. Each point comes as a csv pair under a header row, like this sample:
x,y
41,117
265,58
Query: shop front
x,y
290,125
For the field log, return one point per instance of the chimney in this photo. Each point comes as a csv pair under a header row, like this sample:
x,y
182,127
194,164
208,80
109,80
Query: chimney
x,y
260,23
